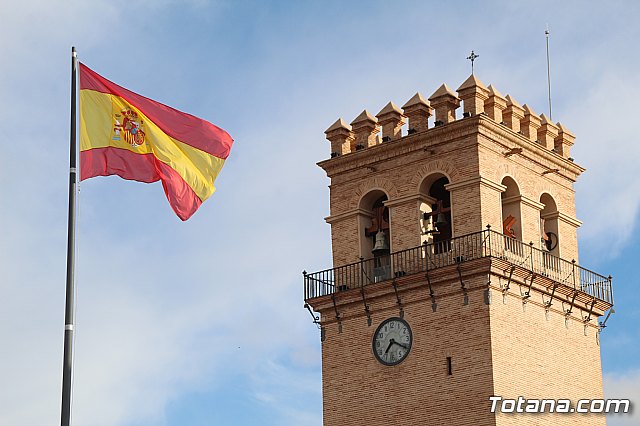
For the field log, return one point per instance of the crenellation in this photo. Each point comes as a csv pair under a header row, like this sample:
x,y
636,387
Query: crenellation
x,y
495,104
366,128
445,102
530,123
473,94
512,114
391,119
418,110
563,142
341,137
367,131
547,133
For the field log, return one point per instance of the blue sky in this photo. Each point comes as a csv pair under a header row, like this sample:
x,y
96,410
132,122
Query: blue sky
x,y
201,323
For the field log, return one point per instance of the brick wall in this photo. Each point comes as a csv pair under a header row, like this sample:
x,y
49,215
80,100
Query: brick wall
x,y
497,347
358,390
541,356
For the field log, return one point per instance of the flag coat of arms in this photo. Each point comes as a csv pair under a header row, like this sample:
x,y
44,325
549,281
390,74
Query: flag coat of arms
x,y
128,135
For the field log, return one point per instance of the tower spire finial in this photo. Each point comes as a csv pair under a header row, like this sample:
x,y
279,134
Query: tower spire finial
x,y
472,58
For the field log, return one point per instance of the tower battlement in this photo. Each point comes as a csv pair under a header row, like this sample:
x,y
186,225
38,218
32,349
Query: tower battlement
x,y
367,131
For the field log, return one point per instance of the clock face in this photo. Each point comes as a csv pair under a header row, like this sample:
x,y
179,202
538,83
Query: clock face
x,y
392,341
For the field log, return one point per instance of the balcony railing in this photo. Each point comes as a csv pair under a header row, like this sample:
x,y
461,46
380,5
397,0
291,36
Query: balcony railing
x,y
478,245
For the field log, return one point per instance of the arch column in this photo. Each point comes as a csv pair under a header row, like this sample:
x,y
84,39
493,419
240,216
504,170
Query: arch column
x,y
345,235
510,200
567,234
404,216
530,211
475,203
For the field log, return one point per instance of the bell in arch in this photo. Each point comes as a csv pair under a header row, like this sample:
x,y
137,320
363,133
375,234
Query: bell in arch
x,y
441,221
381,246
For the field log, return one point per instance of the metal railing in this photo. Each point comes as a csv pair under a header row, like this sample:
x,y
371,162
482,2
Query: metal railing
x,y
478,245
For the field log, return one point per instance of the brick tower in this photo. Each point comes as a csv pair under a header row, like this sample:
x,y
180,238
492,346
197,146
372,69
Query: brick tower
x,y
455,271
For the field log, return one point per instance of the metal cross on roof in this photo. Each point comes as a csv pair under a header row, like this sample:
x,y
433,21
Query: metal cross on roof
x,y
472,58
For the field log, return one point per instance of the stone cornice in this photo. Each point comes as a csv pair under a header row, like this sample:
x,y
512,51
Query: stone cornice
x,y
416,142
346,215
473,181
524,200
563,217
528,146
456,130
389,203
406,199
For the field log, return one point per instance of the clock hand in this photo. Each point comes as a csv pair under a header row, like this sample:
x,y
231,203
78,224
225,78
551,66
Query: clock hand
x,y
391,342
401,345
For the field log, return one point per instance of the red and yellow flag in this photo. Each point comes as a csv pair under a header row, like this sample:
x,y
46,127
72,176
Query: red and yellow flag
x,y
128,135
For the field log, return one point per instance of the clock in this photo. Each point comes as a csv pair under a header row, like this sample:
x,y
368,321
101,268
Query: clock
x,y
392,341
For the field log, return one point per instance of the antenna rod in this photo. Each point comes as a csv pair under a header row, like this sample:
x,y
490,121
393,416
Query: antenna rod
x,y
546,33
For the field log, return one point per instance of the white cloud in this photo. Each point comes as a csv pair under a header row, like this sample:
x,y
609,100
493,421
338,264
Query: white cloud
x,y
606,146
285,390
623,386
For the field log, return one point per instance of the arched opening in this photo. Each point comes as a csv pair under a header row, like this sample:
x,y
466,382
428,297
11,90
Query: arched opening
x,y
511,211
435,213
375,235
549,235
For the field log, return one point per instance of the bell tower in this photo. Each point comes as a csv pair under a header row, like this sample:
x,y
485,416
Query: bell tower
x,y
455,271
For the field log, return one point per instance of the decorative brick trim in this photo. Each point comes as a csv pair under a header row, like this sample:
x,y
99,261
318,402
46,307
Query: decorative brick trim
x,y
433,167
372,184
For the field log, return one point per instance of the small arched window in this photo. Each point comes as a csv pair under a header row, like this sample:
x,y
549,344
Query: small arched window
x,y
549,234
375,237
435,213
374,226
511,211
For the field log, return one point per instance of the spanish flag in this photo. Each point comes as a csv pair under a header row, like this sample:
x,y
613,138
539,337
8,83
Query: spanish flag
x,y
136,138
